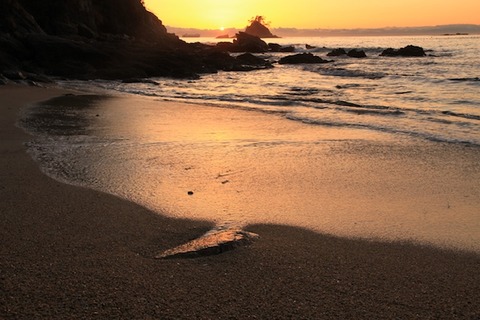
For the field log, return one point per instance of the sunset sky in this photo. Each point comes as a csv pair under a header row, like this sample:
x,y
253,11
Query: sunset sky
x,y
309,14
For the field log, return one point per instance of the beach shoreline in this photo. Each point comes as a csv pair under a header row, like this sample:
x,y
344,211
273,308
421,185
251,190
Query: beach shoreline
x,y
71,252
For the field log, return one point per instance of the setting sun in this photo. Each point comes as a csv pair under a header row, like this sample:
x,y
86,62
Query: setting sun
x,y
209,14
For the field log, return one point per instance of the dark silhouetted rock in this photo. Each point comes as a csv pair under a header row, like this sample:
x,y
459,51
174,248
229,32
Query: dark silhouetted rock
x,y
3,80
259,29
14,75
226,46
72,17
302,58
108,39
249,61
287,49
85,31
275,47
215,59
141,80
309,47
354,53
245,42
249,58
15,19
337,52
408,51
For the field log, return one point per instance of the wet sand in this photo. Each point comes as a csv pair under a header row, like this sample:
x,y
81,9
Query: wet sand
x,y
70,252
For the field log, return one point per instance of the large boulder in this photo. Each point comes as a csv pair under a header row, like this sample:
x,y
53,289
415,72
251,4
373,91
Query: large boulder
x,y
355,53
302,58
245,42
275,47
248,61
408,51
337,52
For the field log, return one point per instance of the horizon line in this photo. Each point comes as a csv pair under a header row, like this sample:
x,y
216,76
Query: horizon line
x,y
444,29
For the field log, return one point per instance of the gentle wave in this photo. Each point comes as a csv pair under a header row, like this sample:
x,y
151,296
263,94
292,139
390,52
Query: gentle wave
x,y
434,96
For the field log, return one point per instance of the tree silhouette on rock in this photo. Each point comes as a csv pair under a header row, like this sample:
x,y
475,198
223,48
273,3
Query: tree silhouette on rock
x,y
259,27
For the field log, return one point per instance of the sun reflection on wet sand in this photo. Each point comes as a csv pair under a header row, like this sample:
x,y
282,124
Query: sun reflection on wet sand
x,y
249,167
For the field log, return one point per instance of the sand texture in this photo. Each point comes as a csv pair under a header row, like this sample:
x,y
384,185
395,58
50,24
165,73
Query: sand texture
x,y
73,253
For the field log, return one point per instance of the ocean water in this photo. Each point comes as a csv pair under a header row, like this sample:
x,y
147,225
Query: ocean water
x,y
378,148
434,97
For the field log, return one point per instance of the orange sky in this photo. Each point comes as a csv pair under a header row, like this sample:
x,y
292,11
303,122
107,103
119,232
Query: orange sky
x,y
310,14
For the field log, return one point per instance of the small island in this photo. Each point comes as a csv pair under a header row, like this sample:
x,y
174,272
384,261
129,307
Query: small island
x,y
259,27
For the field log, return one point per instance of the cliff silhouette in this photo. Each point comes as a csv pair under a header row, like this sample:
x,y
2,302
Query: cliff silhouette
x,y
91,39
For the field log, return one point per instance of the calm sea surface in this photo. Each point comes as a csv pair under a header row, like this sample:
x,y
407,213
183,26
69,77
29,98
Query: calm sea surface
x,y
378,148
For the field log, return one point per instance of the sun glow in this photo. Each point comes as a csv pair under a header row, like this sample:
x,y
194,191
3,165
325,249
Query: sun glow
x,y
222,28
209,14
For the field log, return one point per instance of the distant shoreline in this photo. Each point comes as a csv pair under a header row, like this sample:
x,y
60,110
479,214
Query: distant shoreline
x,y
467,29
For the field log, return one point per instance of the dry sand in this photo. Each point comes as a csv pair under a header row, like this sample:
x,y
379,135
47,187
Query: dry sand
x,y
69,253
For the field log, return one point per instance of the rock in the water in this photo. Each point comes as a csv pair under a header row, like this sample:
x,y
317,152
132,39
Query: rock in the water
x,y
211,243
302,58
141,80
251,60
245,42
258,28
408,51
275,47
337,52
354,53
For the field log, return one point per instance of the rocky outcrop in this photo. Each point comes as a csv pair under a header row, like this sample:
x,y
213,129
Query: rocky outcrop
x,y
15,19
249,60
89,39
355,53
221,60
108,39
244,42
96,18
302,58
337,52
259,29
408,51
248,43
275,47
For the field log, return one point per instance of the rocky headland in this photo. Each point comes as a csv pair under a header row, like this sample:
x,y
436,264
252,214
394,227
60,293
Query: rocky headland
x,y
87,39
121,40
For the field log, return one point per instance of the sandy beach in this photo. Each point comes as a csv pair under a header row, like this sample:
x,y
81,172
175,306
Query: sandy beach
x,y
74,253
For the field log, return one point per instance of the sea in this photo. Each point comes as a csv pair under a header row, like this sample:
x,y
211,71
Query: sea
x,y
435,97
326,147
